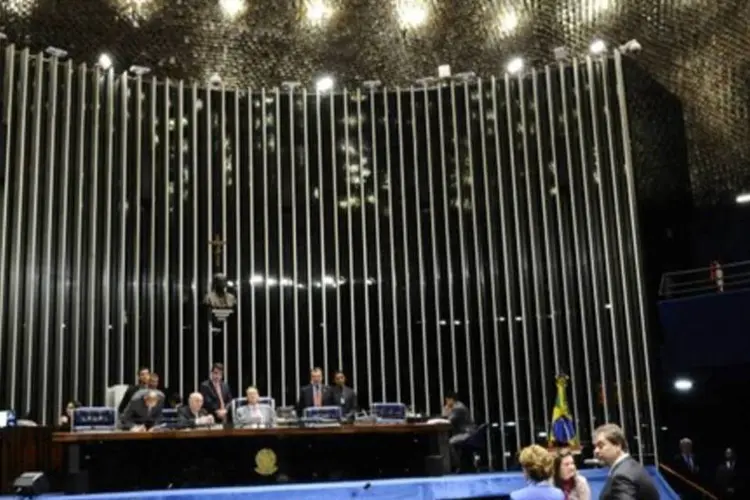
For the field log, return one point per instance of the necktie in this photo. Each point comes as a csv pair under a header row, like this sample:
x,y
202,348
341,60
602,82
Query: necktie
x,y
316,396
218,392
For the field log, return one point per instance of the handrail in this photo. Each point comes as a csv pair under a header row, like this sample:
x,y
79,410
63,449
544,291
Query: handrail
x,y
685,480
715,279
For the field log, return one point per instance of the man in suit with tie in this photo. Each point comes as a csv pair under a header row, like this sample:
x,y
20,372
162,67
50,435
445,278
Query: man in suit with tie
x,y
727,476
216,394
627,479
193,414
686,465
344,395
316,394
144,414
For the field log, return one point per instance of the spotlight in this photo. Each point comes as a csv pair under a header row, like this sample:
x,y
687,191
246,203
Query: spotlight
x,y
683,384
3,36
215,79
140,70
514,66
598,47
631,47
371,84
55,52
104,62
317,12
324,84
743,198
232,8
411,14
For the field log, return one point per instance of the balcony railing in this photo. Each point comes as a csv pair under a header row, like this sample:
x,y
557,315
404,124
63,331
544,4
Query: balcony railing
x,y
706,280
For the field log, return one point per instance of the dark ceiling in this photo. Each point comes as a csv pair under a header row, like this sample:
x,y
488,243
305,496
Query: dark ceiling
x,y
699,49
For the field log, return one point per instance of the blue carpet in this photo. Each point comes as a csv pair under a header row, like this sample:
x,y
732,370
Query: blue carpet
x,y
433,488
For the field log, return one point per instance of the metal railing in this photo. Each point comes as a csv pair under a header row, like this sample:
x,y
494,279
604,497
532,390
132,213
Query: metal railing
x,y
706,280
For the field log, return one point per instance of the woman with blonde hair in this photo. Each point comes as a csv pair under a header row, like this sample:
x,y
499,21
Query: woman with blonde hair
x,y
573,485
538,466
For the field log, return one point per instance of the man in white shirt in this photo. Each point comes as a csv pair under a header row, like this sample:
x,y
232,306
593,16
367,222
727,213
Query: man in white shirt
x,y
253,413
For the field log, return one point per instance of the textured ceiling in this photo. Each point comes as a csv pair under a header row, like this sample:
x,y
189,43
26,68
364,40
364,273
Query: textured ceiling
x,y
697,48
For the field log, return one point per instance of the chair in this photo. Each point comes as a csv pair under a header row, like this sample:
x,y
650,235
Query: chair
x,y
475,446
115,394
94,418
238,403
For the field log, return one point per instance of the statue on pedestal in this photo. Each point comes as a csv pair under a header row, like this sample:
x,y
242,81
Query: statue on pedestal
x,y
219,297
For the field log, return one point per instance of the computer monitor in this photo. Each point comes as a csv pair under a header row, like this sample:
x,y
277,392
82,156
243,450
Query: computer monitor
x,y
389,412
323,413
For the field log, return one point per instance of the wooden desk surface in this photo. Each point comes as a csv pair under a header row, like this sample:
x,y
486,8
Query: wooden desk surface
x,y
85,437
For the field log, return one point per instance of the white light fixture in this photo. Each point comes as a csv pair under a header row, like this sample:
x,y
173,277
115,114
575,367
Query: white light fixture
x,y
317,11
232,8
598,47
743,198
105,61
631,47
514,66
411,13
324,84
683,384
508,23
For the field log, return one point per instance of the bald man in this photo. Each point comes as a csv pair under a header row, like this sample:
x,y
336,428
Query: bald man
x,y
193,414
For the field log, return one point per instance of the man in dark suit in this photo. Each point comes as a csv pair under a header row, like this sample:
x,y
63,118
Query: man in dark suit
x,y
343,395
686,465
627,480
462,426
216,394
315,394
193,414
144,414
727,476
144,377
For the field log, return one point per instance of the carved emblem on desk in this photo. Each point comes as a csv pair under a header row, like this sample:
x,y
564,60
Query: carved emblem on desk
x,y
265,462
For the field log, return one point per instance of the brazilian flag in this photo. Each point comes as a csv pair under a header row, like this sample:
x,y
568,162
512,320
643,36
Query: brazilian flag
x,y
563,431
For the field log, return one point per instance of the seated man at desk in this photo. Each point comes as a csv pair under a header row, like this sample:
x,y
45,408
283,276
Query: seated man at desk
x,y
145,413
253,413
462,426
193,414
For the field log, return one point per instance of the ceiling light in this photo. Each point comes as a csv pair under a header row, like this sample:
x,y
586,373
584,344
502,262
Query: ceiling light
x,y
140,70
444,71
630,47
324,84
598,47
743,198
514,66
683,384
105,61
232,8
317,11
411,13
508,23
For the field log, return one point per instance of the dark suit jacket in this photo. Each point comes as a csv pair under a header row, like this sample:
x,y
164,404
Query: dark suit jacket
x,y
127,397
726,478
628,480
138,414
346,398
185,417
306,398
460,418
681,465
211,399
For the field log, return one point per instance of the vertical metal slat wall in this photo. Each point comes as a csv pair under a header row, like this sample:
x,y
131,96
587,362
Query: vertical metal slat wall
x,y
478,236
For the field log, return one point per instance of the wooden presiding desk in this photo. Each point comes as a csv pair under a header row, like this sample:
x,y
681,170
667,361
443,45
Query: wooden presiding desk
x,y
122,460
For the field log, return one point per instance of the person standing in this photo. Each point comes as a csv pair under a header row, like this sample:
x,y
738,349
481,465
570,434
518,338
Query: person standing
x,y
627,479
